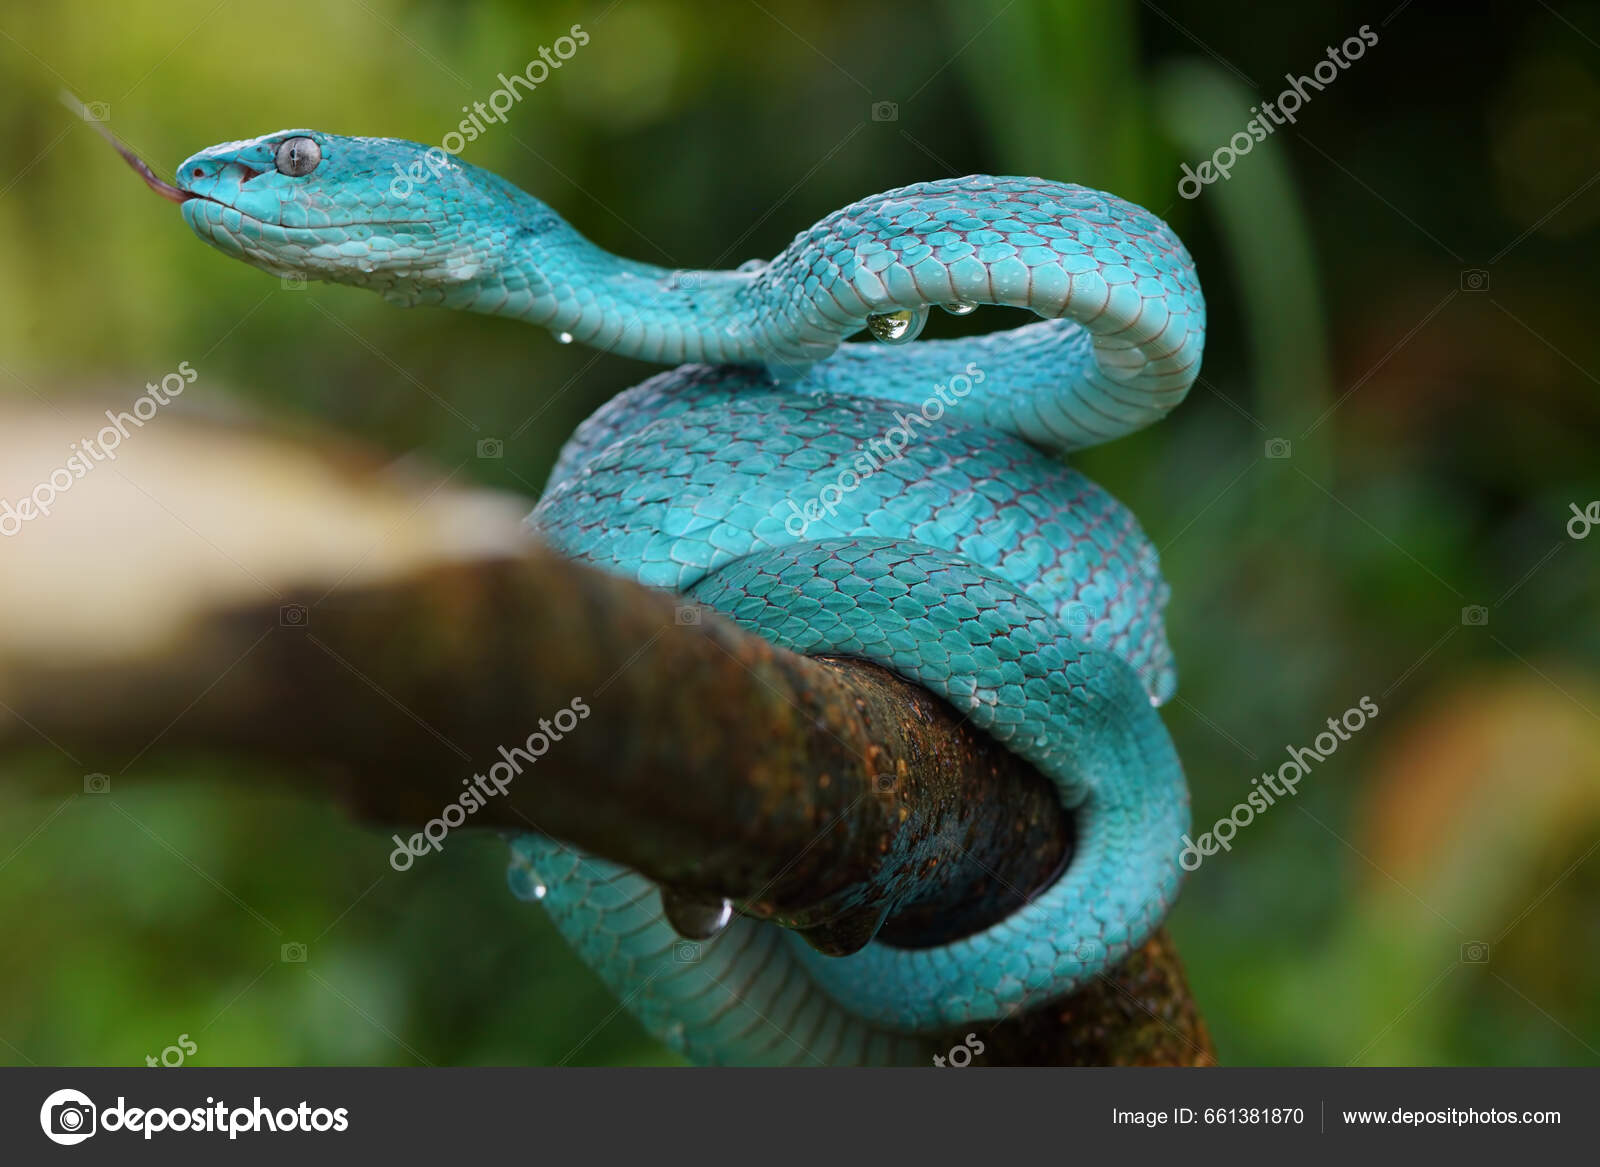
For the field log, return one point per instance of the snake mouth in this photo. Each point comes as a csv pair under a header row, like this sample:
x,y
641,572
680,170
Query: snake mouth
x,y
168,191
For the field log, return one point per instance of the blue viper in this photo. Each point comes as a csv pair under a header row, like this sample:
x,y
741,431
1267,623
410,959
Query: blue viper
x,y
903,503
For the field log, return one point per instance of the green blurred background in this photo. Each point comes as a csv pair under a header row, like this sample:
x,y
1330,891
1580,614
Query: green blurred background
x,y
1401,287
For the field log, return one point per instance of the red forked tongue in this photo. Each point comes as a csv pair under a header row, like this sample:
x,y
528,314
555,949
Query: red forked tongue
x,y
165,189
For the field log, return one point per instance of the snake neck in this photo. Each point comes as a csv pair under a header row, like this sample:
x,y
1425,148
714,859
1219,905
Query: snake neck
x,y
1118,348
544,272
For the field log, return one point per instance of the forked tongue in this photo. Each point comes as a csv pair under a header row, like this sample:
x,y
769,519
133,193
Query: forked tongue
x,y
165,189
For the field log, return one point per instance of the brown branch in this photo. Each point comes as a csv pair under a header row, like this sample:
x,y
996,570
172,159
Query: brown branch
x,y
826,795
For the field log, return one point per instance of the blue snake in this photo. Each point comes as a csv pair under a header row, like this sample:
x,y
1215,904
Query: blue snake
x,y
905,503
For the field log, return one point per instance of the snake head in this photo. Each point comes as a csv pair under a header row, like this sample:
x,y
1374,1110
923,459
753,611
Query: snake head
x,y
400,218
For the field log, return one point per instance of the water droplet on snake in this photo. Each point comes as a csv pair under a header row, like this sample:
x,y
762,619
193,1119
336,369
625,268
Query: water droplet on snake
x,y
960,307
526,883
695,919
900,327
563,338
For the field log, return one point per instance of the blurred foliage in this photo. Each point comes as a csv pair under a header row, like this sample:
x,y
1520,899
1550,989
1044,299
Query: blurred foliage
x,y
1439,429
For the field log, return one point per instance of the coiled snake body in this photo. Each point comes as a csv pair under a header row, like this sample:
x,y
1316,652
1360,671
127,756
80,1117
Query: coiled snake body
x,y
904,503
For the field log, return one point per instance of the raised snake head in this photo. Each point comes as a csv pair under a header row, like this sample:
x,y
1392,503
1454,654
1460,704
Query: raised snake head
x,y
407,220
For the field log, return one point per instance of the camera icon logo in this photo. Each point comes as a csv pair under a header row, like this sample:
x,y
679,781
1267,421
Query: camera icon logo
x,y
1474,279
293,953
686,952
1078,615
1088,951
884,783
294,283
687,614
491,448
293,615
1475,615
97,783
1475,952
67,1117
1278,448
885,111
97,111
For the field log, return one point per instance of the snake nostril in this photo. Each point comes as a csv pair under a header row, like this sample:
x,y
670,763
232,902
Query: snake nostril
x,y
199,172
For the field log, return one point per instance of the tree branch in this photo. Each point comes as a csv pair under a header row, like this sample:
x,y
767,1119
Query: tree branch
x,y
826,795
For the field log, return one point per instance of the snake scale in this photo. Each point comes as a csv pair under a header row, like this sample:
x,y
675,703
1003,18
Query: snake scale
x,y
970,559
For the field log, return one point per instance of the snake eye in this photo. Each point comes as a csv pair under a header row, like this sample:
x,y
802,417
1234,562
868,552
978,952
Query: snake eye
x,y
298,157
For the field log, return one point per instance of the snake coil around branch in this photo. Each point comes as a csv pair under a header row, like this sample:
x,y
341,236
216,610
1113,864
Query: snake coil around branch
x,y
968,559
